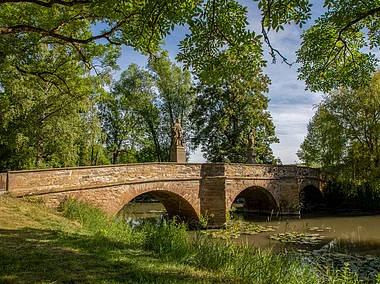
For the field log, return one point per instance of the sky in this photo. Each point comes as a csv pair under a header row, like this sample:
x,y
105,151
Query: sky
x,y
290,105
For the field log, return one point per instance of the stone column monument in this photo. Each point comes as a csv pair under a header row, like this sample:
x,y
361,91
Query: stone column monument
x,y
251,154
177,150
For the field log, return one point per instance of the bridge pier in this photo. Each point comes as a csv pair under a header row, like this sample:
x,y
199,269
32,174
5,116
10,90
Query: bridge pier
x,y
213,201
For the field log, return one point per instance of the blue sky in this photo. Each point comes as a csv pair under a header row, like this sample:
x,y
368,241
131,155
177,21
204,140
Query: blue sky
x,y
290,105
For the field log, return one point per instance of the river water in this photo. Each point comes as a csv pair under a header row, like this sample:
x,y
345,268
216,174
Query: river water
x,y
349,234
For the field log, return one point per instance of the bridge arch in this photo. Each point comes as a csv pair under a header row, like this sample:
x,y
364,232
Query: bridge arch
x,y
311,199
257,199
180,198
174,203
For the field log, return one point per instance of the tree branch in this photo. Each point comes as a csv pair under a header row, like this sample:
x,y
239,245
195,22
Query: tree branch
x,y
27,28
371,12
50,3
272,51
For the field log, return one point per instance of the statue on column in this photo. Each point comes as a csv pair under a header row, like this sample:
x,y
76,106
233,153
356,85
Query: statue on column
x,y
177,134
251,140
177,151
251,154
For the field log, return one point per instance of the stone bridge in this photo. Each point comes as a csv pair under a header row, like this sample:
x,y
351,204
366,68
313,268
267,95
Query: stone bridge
x,y
186,190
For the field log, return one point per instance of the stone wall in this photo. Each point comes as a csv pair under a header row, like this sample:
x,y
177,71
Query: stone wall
x,y
187,190
283,183
3,182
85,178
179,197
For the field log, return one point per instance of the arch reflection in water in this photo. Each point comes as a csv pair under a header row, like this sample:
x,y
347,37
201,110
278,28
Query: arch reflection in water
x,y
311,200
256,200
158,204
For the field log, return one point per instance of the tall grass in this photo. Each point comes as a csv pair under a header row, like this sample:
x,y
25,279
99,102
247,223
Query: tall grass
x,y
170,241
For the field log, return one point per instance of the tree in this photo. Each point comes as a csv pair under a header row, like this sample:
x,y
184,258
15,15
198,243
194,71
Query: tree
x,y
345,131
40,122
143,106
225,115
130,118
72,25
91,143
120,126
336,51
92,31
176,95
39,126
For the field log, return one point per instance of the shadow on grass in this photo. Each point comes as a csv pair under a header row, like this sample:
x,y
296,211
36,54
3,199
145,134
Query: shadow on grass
x,y
35,256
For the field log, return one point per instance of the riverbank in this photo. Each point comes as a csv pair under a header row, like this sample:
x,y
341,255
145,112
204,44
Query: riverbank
x,y
38,245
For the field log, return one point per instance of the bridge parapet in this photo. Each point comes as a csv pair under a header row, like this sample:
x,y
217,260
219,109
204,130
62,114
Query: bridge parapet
x,y
66,179
269,171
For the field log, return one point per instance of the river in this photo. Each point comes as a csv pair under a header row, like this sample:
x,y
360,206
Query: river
x,y
351,234
331,240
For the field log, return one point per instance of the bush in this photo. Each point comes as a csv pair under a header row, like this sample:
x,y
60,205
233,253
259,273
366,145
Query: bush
x,y
348,195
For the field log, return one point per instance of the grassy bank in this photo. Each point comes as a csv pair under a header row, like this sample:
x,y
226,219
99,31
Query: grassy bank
x,y
80,245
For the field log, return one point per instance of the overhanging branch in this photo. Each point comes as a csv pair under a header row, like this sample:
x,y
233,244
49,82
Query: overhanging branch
x,y
49,3
52,33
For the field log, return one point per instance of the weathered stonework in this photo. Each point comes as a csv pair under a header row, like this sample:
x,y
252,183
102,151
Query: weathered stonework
x,y
178,154
3,182
186,190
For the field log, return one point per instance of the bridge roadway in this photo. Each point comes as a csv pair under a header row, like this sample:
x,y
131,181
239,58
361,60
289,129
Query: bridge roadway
x,y
186,190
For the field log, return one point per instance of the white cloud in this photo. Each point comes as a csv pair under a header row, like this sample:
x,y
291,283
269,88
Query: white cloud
x,y
197,157
290,121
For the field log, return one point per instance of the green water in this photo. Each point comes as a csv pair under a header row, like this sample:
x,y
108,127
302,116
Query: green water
x,y
355,235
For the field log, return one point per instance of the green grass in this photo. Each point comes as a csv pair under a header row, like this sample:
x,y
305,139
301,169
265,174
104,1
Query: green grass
x,y
83,246
40,246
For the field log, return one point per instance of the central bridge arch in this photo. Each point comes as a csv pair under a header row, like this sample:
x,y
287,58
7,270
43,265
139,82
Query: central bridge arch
x,y
180,198
175,204
257,200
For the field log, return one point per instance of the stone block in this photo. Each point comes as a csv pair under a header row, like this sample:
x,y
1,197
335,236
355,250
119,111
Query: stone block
x,y
178,154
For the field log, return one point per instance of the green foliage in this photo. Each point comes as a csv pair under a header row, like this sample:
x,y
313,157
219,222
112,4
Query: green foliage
x,y
40,126
89,216
336,51
230,214
344,195
220,45
141,108
277,14
48,50
117,111
204,220
344,275
169,239
176,94
225,115
217,46
343,135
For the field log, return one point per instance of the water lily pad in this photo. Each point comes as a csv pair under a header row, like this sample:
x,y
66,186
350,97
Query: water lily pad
x,y
319,229
235,229
298,238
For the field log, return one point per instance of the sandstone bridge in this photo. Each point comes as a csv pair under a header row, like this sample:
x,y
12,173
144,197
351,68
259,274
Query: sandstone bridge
x,y
186,190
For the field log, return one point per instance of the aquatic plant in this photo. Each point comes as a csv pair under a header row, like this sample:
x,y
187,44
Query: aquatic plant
x,y
235,229
297,238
